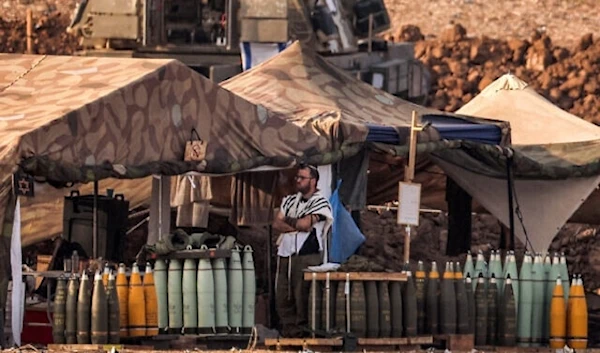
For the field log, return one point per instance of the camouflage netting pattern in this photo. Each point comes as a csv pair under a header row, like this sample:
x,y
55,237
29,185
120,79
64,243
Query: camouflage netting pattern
x,y
76,119
301,84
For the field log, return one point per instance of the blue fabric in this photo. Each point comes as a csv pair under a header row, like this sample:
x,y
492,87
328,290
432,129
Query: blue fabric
x,y
456,128
346,238
247,52
449,127
385,134
255,53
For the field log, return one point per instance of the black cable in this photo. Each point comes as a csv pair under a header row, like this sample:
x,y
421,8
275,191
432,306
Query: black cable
x,y
511,213
517,210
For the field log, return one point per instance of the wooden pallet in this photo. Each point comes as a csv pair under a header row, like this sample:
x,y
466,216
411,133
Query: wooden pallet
x,y
517,349
199,341
95,347
356,276
302,342
399,341
330,344
503,349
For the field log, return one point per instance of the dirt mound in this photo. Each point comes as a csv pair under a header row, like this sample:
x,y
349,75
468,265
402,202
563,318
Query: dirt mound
x,y
49,35
462,66
564,20
385,243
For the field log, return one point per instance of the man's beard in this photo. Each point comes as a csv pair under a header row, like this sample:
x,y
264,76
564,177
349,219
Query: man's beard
x,y
303,189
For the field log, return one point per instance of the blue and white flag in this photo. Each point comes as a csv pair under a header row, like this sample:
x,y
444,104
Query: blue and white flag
x,y
256,53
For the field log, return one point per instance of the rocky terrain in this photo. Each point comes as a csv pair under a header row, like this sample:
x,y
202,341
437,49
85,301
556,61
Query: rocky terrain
x,y
50,18
563,20
461,66
554,45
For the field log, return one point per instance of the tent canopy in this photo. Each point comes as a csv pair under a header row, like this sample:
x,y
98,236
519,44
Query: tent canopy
x,y
66,116
311,92
549,143
533,119
556,162
76,119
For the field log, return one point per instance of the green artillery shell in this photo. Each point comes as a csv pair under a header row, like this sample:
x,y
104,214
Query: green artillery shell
x,y
60,302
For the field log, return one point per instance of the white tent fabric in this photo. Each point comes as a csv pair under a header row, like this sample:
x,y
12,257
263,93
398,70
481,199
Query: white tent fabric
x,y
533,119
545,205
18,287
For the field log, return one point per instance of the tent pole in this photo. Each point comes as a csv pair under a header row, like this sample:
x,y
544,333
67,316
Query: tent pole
x,y
511,208
409,174
95,222
270,279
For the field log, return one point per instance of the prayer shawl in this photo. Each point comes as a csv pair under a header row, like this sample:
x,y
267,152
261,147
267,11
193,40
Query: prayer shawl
x,y
293,206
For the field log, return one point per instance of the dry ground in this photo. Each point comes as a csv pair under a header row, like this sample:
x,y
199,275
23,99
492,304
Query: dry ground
x,y
565,21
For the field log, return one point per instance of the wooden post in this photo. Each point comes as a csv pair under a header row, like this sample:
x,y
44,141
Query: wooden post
x,y
160,209
370,32
409,175
412,152
95,223
229,24
29,31
269,270
162,32
407,244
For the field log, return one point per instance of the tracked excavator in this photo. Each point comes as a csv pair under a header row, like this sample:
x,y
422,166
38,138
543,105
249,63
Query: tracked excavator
x,y
211,36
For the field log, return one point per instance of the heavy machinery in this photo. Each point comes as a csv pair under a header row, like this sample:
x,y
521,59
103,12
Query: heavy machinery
x,y
210,35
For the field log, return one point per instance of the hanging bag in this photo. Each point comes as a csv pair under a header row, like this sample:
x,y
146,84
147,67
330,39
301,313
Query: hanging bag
x,y
195,148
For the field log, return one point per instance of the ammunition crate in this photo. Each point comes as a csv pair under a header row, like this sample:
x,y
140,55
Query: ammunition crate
x,y
391,76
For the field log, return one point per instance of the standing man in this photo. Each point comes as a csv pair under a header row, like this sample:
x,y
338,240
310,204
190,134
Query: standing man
x,y
303,220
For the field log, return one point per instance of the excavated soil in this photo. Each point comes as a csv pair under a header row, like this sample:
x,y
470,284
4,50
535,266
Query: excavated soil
x,y
564,20
462,65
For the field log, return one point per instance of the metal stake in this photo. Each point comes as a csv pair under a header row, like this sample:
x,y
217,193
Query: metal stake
x,y
95,222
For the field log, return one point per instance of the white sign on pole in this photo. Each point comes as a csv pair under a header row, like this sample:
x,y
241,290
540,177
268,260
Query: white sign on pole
x,y
409,199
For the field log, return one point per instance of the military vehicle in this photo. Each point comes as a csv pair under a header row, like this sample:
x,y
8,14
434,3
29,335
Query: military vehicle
x,y
212,36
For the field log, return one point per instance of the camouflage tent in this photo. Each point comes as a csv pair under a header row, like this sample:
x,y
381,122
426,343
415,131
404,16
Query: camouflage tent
x,y
79,119
556,162
303,86
110,113
556,155
76,119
